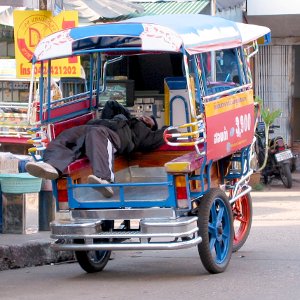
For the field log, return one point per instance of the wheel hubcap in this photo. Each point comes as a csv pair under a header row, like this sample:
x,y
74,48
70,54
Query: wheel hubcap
x,y
219,231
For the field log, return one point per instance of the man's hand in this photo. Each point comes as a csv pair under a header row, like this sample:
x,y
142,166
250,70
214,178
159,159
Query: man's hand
x,y
149,122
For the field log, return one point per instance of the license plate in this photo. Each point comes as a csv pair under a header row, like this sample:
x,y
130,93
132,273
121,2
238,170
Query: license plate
x,y
284,155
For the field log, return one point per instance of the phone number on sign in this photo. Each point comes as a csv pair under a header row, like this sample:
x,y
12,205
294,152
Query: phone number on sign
x,y
57,70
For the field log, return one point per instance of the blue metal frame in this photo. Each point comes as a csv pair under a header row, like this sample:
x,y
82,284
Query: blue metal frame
x,y
55,194
91,75
244,160
85,96
198,88
236,52
98,77
204,76
202,177
170,201
245,68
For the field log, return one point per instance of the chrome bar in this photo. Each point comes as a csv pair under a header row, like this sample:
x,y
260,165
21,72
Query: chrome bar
x,y
128,246
235,89
125,214
123,235
246,191
196,142
242,180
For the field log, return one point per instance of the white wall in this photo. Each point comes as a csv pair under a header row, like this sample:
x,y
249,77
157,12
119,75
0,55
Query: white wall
x,y
272,7
233,14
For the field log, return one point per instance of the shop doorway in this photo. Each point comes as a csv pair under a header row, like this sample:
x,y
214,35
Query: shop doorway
x,y
274,70
296,102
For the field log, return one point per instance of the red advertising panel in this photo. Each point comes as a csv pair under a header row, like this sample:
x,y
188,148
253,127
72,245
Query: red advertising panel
x,y
229,124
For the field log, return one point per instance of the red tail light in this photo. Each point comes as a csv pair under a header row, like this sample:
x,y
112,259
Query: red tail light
x,y
280,144
62,193
181,193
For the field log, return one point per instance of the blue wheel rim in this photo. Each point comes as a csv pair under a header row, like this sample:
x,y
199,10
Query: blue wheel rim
x,y
98,256
219,230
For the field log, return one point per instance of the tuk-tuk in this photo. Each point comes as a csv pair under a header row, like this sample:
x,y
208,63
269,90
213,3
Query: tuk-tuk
x,y
192,191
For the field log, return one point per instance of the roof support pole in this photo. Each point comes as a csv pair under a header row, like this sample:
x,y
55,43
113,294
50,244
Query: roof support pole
x,y
213,53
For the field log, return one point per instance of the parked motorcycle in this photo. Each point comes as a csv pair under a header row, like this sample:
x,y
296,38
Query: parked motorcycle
x,y
281,161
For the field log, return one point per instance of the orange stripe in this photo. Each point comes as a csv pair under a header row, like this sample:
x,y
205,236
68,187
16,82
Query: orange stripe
x,y
228,103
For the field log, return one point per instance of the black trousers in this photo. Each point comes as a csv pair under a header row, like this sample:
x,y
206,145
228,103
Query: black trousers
x,y
97,142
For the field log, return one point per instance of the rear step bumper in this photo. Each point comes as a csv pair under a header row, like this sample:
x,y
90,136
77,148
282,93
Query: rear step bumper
x,y
153,234
175,245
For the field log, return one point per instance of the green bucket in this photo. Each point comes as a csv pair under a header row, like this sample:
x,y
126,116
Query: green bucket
x,y
20,183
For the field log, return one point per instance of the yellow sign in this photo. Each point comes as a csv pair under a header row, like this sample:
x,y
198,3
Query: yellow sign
x,y
32,26
228,103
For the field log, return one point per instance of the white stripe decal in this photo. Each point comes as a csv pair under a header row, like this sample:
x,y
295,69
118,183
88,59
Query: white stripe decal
x,y
110,159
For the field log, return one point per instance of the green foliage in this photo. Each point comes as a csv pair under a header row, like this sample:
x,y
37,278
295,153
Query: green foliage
x,y
268,117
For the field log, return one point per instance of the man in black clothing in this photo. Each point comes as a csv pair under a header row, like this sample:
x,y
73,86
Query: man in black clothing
x,y
99,140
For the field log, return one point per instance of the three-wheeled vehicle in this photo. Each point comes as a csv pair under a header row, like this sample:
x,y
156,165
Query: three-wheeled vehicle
x,y
193,191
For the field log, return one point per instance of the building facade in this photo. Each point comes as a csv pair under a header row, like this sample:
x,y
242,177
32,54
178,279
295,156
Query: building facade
x,y
277,67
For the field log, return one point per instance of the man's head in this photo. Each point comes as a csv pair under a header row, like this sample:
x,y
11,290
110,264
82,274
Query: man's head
x,y
149,122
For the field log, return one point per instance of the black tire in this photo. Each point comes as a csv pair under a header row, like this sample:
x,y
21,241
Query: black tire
x,y
286,175
242,220
215,224
265,179
293,165
92,261
260,152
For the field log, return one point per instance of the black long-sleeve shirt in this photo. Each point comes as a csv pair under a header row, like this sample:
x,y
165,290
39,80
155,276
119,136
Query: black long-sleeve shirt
x,y
133,133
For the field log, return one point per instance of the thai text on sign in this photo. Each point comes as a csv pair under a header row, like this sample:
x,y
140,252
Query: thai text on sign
x,y
230,124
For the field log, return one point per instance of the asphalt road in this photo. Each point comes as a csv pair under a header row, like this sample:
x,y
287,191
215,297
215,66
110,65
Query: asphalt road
x,y
267,266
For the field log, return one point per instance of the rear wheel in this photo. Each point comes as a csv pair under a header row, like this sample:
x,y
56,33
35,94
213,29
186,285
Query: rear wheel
x,y
242,220
92,261
286,175
216,229
293,164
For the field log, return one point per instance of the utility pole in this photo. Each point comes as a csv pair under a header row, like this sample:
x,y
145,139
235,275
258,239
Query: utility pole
x,y
42,4
55,6
213,8
213,53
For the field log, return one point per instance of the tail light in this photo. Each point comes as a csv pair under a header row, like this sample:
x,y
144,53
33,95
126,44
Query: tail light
x,y
62,193
181,192
280,144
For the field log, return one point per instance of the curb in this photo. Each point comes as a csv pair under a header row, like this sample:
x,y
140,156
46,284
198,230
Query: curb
x,y
31,254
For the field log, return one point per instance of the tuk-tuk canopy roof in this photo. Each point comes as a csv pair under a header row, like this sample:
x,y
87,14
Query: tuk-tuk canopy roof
x,y
163,33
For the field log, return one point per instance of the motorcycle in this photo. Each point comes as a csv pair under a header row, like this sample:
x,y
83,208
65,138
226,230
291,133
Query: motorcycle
x,y
281,161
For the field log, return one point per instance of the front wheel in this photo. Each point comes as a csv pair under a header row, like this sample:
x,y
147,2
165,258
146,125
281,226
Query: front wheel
x,y
215,224
286,175
242,220
92,261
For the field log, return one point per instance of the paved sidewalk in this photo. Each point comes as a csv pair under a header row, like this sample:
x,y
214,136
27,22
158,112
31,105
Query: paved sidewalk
x,y
25,250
